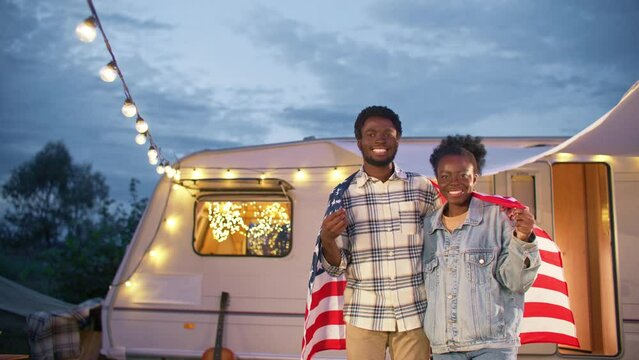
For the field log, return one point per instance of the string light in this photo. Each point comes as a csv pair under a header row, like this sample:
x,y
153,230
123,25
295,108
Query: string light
x,y
140,139
129,109
170,172
225,219
152,153
300,175
86,31
141,126
171,222
109,73
336,174
228,174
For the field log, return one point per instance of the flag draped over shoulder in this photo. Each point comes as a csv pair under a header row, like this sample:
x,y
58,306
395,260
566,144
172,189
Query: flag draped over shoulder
x,y
547,314
324,327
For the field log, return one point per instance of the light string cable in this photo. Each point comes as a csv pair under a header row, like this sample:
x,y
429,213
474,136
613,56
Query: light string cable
x,y
129,109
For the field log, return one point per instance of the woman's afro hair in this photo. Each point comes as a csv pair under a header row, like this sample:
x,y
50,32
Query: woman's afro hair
x,y
465,145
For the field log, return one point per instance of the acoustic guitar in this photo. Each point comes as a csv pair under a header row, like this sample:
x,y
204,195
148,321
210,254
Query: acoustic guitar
x,y
219,352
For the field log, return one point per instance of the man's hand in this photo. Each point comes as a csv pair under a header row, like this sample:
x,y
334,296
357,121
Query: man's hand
x,y
332,227
523,221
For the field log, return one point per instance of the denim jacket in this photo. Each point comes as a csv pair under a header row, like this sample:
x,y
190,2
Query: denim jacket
x,y
475,280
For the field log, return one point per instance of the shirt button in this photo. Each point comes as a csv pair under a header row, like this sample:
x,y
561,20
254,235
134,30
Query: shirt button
x,y
392,278
391,253
481,261
450,296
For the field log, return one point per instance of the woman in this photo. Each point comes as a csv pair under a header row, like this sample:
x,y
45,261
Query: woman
x,y
478,262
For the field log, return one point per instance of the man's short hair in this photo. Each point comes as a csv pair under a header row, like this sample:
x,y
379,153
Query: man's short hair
x,y
378,111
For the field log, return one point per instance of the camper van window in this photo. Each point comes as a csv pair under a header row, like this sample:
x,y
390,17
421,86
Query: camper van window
x,y
242,227
583,231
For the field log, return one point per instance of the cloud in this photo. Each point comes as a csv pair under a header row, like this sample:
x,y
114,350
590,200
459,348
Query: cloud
x,y
487,67
444,65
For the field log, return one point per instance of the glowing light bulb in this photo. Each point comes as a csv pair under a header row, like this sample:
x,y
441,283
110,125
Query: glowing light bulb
x,y
140,139
300,175
141,126
86,31
153,253
153,161
109,73
170,172
336,174
263,176
171,222
160,169
152,153
129,109
602,158
128,284
228,174
196,174
177,176
564,156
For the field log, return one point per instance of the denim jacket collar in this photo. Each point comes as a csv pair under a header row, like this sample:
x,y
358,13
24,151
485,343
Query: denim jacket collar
x,y
474,218
362,177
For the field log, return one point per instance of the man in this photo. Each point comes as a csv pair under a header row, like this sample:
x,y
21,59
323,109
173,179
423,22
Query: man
x,y
381,226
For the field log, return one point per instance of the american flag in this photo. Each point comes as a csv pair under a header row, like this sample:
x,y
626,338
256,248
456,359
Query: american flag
x,y
547,314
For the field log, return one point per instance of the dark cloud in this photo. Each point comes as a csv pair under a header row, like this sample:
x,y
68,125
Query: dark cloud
x,y
533,67
443,65
319,122
127,23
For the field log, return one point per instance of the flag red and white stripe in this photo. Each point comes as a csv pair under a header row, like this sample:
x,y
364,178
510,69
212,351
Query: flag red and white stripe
x,y
547,314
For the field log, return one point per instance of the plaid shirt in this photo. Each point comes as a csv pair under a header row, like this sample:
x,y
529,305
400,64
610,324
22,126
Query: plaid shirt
x,y
382,249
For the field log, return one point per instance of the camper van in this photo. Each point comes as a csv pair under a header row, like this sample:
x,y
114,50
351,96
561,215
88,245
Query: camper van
x,y
223,250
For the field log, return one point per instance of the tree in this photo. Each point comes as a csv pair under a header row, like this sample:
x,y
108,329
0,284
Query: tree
x,y
52,197
66,236
85,266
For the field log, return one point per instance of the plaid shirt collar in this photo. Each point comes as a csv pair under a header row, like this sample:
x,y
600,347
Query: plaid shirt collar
x,y
362,177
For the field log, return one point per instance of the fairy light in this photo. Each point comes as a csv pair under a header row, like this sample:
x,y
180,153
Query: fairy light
x,y
564,156
140,139
263,176
225,219
196,173
86,31
228,174
602,158
271,221
141,126
159,169
128,283
336,174
109,73
152,153
300,175
171,222
129,109
170,172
